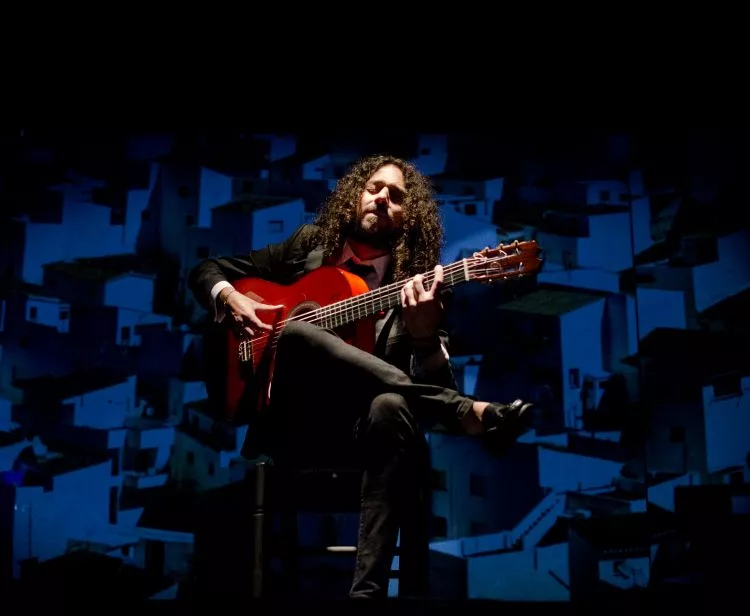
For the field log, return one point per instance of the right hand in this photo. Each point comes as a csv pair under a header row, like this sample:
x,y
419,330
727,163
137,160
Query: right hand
x,y
244,312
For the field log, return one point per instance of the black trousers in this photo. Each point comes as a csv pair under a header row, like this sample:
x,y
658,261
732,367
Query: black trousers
x,y
336,399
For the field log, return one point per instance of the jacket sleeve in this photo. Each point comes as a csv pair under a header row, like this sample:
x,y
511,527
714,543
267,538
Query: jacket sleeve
x,y
273,262
443,376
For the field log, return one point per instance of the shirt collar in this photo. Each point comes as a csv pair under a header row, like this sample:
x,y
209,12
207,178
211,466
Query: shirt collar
x,y
379,263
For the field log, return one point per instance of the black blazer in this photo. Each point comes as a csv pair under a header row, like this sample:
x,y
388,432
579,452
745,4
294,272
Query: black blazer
x,y
287,261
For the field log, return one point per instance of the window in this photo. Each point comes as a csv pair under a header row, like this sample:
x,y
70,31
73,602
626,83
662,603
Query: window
x,y
727,386
155,556
329,530
477,485
104,196
113,505
275,226
116,216
114,456
28,566
574,378
143,460
438,480
677,434
439,526
546,380
567,259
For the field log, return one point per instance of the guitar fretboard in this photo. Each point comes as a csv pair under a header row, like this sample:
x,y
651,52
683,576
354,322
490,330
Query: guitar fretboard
x,y
381,299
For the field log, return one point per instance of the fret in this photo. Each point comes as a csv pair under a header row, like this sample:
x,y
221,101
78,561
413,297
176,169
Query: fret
x,y
369,303
383,299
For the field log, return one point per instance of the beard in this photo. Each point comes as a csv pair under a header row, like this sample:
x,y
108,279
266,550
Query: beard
x,y
376,235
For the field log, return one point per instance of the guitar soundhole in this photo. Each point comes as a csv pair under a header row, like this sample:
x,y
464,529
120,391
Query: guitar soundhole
x,y
302,308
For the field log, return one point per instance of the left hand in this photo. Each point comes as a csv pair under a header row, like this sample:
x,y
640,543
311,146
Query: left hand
x,y
423,308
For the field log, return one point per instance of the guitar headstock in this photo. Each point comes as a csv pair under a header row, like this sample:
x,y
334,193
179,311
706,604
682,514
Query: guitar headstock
x,y
515,260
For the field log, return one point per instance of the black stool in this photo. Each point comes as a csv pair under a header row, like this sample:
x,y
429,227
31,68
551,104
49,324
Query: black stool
x,y
283,490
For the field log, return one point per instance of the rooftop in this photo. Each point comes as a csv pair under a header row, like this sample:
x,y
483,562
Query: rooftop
x,y
33,290
551,302
33,470
632,530
597,448
69,385
733,308
251,203
105,268
715,352
11,437
550,216
169,508
80,572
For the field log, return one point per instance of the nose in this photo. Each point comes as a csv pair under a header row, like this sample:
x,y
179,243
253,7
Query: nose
x,y
383,195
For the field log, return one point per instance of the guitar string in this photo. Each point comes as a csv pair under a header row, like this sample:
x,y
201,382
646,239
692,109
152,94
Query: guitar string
x,y
337,308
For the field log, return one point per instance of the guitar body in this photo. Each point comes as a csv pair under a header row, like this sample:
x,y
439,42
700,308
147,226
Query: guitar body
x,y
250,359
336,299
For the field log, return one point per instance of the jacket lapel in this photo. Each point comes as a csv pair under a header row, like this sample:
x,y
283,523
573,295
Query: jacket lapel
x,y
314,260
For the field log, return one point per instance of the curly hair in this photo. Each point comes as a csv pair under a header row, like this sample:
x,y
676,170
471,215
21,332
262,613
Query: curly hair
x,y
419,246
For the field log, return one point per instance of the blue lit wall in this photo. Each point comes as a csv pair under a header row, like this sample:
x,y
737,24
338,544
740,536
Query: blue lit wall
x,y
632,341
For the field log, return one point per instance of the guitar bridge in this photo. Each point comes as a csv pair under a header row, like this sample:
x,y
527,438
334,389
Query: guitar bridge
x,y
244,351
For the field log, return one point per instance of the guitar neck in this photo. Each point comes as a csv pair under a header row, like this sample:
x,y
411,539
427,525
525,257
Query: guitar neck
x,y
381,299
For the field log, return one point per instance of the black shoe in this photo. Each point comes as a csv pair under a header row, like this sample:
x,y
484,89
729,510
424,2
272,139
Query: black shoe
x,y
503,424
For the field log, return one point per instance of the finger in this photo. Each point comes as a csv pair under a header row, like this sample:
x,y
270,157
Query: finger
x,y
268,307
437,284
260,324
248,320
403,297
418,285
411,299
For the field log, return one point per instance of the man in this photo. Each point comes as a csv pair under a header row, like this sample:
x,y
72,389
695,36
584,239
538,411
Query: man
x,y
382,214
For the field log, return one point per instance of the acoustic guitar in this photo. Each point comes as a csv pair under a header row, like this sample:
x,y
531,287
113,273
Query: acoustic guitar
x,y
336,299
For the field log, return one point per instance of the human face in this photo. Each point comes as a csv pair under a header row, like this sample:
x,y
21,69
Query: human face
x,y
380,214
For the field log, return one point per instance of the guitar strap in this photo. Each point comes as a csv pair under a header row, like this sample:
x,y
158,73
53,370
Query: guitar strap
x,y
384,325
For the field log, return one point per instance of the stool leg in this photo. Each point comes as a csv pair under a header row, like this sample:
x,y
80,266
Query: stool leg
x,y
414,559
289,526
259,531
